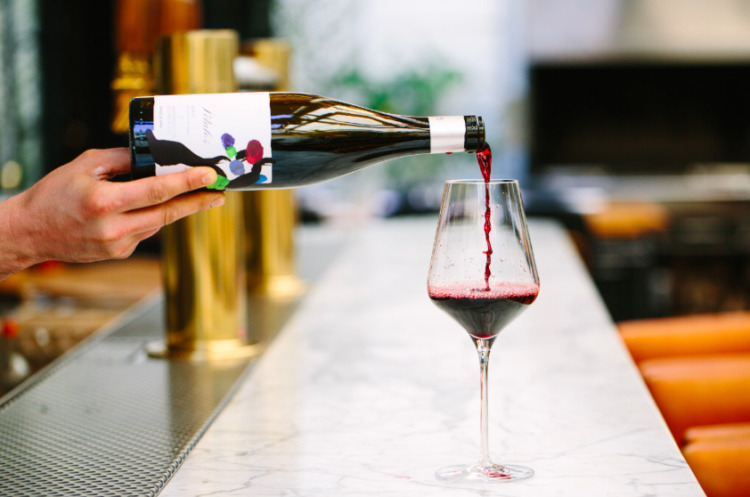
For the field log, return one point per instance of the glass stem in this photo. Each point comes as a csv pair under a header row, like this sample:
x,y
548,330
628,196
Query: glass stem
x,y
483,349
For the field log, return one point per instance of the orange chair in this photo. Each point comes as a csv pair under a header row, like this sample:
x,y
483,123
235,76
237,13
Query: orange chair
x,y
698,371
713,432
687,335
699,390
720,458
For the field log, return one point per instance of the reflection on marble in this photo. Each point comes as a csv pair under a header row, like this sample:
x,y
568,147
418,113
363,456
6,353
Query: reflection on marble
x,y
370,388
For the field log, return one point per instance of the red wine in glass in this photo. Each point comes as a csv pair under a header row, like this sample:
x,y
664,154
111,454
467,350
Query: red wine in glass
x,y
483,313
476,215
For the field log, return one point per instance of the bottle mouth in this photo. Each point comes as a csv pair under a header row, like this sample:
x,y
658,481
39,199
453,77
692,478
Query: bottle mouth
x,y
474,139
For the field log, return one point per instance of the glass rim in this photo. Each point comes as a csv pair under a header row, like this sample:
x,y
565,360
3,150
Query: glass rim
x,y
480,181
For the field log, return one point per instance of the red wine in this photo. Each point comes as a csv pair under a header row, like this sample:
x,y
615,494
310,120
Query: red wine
x,y
281,140
483,313
484,158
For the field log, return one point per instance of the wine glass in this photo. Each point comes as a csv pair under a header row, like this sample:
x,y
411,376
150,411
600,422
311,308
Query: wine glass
x,y
481,289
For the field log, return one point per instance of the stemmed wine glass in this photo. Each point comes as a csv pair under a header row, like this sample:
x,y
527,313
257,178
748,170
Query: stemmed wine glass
x,y
480,288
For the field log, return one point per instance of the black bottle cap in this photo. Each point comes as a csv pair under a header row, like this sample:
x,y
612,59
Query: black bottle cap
x,y
474,133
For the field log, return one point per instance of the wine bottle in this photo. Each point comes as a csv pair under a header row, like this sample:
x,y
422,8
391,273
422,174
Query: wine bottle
x,y
281,140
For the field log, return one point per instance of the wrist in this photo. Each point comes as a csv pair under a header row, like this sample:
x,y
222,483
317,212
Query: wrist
x,y
16,240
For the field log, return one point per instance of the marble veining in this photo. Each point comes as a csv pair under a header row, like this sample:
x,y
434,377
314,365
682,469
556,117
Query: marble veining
x,y
370,388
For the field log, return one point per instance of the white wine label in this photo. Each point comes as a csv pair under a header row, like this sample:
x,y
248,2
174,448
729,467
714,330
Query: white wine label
x,y
229,132
447,134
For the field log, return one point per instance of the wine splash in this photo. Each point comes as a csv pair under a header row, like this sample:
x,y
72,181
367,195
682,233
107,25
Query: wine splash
x,y
484,158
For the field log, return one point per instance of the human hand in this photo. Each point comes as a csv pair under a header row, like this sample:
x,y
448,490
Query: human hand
x,y
75,215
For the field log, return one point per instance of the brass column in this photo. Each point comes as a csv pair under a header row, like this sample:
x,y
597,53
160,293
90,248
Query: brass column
x,y
203,255
271,215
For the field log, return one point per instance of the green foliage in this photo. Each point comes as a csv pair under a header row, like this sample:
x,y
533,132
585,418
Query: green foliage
x,y
414,92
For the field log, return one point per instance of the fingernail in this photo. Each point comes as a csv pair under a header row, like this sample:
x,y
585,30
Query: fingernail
x,y
218,201
208,178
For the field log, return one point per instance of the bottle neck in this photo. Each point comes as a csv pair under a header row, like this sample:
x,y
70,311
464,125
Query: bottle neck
x,y
456,134
475,140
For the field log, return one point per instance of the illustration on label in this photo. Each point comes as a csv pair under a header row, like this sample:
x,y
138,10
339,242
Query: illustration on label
x,y
173,153
190,132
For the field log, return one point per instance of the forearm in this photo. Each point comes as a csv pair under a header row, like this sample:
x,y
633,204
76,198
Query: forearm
x,y
16,245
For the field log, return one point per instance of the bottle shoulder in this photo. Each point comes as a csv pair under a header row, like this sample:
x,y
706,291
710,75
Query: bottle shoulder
x,y
310,113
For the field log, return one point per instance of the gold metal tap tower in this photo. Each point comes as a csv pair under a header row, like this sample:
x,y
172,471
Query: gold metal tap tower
x,y
271,215
203,254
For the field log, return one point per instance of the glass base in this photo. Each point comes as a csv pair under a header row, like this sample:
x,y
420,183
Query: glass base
x,y
488,471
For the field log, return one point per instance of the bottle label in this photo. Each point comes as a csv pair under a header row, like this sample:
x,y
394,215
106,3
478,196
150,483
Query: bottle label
x,y
229,132
447,134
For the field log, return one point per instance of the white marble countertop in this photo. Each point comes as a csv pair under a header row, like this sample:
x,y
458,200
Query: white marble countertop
x,y
370,388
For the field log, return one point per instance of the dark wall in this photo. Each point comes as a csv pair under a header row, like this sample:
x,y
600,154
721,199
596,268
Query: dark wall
x,y
77,64
637,117
250,18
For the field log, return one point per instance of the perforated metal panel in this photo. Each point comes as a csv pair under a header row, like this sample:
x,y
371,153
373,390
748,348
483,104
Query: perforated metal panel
x,y
108,420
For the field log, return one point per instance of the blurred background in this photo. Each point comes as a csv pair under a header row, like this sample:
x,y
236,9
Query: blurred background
x,y
626,120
